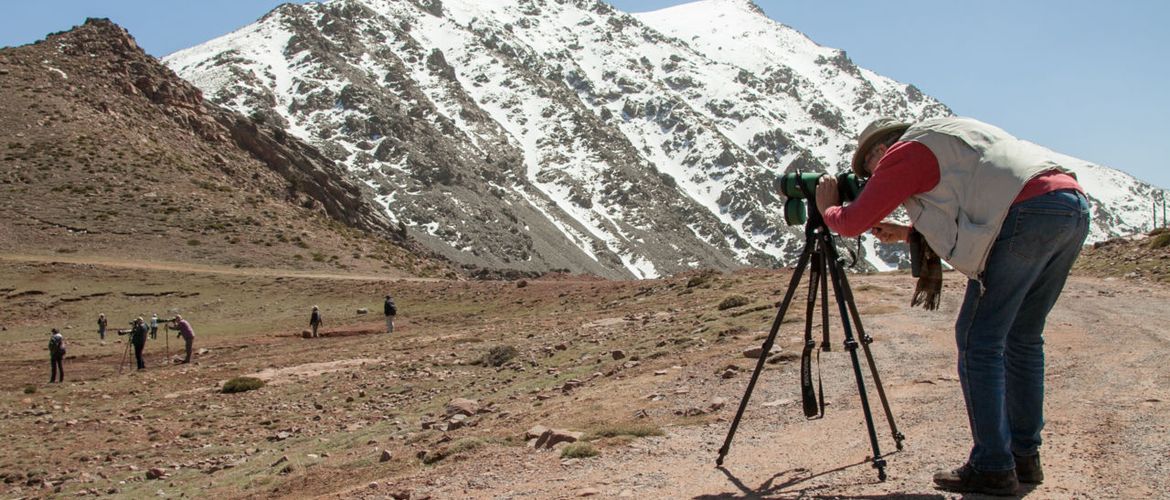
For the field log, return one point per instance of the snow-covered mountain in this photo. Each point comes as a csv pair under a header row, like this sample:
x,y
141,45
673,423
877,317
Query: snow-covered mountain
x,y
564,134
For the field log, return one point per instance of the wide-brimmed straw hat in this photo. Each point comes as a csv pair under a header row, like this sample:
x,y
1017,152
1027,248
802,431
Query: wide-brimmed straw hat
x,y
869,137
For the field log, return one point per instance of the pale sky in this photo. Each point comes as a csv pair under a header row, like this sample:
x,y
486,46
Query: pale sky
x,y
1086,78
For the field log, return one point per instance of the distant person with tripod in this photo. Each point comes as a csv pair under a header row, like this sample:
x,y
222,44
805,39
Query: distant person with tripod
x,y
186,332
57,356
1009,216
154,326
315,320
138,331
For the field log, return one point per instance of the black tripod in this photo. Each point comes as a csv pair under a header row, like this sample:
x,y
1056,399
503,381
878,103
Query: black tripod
x,y
826,264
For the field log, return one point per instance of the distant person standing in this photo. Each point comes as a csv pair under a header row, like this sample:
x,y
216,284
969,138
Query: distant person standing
x,y
138,331
187,333
102,322
391,312
315,320
153,326
57,356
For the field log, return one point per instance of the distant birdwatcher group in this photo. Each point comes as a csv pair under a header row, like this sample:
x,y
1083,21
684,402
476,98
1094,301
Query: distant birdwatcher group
x,y
139,330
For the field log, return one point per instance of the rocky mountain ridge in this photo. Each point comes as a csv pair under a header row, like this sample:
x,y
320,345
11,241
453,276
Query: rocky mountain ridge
x,y
106,147
558,134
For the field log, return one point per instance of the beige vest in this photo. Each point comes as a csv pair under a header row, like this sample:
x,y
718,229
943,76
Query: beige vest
x,y
981,171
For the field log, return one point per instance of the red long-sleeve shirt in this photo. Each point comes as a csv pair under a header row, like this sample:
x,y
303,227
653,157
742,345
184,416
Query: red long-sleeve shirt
x,y
909,168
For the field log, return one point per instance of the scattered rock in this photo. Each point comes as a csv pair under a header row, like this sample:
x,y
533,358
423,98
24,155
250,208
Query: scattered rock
x,y
588,492
461,406
618,354
282,460
385,456
155,473
553,437
363,311
535,432
753,353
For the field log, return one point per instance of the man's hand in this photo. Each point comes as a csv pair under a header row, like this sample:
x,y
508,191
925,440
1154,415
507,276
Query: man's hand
x,y
827,195
890,232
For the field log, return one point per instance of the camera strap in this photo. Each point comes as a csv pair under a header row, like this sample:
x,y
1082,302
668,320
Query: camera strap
x,y
809,396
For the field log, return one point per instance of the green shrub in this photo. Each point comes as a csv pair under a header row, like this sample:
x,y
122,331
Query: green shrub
x,y
242,384
30,389
497,356
734,301
579,449
193,242
1162,240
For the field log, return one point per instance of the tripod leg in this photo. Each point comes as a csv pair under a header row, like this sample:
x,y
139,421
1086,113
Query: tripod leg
x,y
877,379
836,273
125,352
796,275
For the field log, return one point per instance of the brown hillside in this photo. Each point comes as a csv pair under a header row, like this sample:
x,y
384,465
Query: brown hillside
x,y
105,152
1142,258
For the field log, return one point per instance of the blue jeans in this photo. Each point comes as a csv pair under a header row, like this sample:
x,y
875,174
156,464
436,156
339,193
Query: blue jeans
x,y
1000,328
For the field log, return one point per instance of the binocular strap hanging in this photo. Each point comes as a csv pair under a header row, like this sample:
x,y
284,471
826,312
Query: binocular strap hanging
x,y
813,399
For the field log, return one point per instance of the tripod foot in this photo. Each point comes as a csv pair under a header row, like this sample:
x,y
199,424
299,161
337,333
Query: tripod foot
x,y
880,465
719,461
898,438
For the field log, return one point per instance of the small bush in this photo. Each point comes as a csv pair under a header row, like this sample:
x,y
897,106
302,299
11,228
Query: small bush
x,y
702,279
242,384
497,356
579,449
1162,240
460,446
30,389
734,301
193,242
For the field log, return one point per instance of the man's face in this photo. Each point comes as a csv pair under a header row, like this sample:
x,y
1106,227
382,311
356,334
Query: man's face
x,y
873,156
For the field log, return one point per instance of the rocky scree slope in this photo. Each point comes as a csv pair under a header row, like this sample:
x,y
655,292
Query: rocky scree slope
x,y
106,151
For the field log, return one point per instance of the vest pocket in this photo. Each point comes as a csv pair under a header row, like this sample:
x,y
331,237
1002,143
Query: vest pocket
x,y
972,244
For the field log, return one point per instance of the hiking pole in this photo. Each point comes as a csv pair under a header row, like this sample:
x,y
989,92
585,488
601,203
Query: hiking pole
x,y
167,340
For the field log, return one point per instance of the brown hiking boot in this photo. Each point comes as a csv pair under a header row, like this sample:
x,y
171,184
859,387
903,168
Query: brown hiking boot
x,y
1028,469
966,479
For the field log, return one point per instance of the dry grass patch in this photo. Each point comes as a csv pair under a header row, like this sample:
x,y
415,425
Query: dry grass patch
x,y
624,429
579,450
